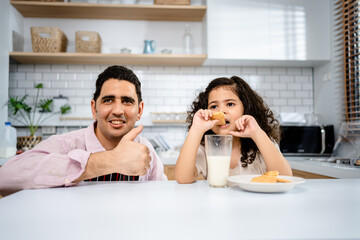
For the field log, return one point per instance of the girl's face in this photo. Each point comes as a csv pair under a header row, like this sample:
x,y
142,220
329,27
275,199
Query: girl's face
x,y
222,99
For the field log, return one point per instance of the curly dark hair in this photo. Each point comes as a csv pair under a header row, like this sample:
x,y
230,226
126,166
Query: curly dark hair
x,y
254,105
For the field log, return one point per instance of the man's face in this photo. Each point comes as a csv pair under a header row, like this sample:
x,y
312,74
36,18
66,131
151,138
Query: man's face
x,y
116,110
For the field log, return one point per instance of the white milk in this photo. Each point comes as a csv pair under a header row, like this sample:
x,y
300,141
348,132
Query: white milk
x,y
7,140
218,170
6,152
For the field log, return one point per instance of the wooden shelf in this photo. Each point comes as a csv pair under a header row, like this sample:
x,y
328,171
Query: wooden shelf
x,y
101,58
109,11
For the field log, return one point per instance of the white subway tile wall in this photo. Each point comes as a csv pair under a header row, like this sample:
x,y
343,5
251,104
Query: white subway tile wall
x,y
165,88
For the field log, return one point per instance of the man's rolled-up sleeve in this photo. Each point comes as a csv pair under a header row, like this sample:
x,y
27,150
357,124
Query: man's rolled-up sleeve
x,y
50,164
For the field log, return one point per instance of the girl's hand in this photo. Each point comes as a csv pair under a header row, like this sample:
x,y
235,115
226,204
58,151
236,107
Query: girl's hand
x,y
247,127
202,122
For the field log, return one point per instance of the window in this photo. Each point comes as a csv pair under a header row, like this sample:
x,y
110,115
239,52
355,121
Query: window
x,y
347,22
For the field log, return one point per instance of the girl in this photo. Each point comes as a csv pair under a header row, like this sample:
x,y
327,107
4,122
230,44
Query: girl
x,y
253,126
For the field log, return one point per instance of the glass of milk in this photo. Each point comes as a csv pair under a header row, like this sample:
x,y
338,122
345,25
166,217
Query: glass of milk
x,y
218,154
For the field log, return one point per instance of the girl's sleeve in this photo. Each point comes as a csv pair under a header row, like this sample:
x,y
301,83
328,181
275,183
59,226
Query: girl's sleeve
x,y
201,164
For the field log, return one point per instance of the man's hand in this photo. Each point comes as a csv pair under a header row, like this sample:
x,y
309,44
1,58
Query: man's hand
x,y
129,157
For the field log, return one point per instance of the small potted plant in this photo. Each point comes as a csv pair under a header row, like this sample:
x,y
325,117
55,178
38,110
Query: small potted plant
x,y
21,112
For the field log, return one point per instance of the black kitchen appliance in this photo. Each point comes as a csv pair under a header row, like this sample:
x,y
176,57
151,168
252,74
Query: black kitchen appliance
x,y
307,140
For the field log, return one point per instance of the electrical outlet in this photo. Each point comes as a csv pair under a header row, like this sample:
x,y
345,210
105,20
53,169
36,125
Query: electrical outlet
x,y
48,130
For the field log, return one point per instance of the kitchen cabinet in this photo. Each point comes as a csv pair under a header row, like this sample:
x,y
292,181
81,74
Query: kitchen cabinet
x,y
68,10
305,168
309,175
169,171
268,32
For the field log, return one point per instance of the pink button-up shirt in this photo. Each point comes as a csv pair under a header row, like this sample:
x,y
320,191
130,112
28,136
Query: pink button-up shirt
x,y
61,159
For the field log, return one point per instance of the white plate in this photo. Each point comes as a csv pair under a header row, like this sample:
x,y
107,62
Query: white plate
x,y
244,182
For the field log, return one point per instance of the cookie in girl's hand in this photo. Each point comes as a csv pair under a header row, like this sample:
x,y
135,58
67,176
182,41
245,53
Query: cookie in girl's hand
x,y
218,116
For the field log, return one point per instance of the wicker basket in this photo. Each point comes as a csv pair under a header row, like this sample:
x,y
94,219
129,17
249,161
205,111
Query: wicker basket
x,y
172,2
26,143
87,42
48,39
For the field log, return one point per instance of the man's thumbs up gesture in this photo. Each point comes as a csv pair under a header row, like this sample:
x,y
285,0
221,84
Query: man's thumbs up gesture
x,y
129,157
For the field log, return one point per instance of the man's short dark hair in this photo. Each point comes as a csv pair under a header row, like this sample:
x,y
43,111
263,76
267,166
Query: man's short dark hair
x,y
120,73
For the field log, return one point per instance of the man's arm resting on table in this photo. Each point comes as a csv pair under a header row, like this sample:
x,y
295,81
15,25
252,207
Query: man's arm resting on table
x,y
97,165
127,158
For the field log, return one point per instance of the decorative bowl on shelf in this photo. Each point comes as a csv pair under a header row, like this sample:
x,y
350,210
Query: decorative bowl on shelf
x,y
168,117
125,50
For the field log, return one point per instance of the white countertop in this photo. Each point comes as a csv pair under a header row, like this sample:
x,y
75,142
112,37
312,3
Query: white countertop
x,y
316,209
300,163
324,168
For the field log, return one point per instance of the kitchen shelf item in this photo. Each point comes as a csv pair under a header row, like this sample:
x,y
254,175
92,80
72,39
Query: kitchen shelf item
x,y
110,11
172,2
47,0
168,117
48,39
187,41
7,141
125,50
27,143
149,46
169,121
58,102
87,42
101,58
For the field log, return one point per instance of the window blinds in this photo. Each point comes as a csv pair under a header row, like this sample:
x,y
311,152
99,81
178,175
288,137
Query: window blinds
x,y
347,25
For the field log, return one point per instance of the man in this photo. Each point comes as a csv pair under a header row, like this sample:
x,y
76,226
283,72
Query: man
x,y
107,150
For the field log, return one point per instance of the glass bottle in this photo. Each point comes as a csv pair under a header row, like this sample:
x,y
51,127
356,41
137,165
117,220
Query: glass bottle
x,y
187,41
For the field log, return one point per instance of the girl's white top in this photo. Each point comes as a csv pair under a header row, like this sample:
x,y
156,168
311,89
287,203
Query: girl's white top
x,y
257,167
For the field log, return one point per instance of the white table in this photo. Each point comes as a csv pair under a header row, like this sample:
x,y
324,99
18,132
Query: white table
x,y
317,209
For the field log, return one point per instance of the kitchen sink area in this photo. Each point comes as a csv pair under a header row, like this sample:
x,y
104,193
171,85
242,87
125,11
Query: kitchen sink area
x,y
331,167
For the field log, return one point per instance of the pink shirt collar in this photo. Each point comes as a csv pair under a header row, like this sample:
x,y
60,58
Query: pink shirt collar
x,y
91,141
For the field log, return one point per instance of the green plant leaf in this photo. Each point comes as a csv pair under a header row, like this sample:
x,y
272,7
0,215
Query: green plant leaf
x,y
45,105
40,85
65,108
27,115
15,105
